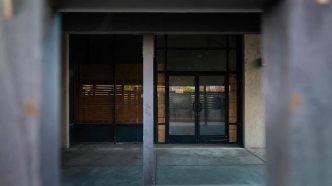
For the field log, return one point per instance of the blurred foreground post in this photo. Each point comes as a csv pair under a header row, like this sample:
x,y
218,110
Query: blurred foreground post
x,y
29,99
298,79
148,108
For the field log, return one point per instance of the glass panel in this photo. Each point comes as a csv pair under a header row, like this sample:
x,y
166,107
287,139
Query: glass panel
x,y
232,99
196,60
196,41
94,94
161,107
232,60
232,133
232,41
161,67
160,57
160,41
107,49
129,93
212,103
161,98
181,100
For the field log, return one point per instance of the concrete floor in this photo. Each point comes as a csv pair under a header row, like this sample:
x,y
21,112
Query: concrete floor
x,y
121,165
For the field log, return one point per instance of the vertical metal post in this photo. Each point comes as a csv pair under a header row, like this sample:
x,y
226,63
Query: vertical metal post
x,y
205,106
226,95
148,111
297,53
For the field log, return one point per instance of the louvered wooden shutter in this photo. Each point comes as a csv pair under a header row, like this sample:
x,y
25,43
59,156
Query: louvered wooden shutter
x,y
94,93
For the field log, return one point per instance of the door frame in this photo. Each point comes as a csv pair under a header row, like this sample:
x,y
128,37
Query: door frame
x,y
197,137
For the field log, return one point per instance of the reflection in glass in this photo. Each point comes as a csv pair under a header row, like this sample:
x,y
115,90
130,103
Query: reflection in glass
x,y
232,99
196,60
129,93
160,57
232,60
196,41
212,99
161,107
94,94
181,100
232,108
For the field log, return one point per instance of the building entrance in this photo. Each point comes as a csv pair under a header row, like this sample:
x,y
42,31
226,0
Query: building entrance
x,y
198,84
197,88
196,108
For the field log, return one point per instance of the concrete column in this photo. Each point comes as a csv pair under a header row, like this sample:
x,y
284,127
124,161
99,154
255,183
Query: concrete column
x,y
29,99
148,110
50,108
297,55
254,115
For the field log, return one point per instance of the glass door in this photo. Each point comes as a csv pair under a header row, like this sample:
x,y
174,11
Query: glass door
x,y
181,109
196,109
212,109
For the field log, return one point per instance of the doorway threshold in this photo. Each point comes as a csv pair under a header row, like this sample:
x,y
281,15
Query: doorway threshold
x,y
195,146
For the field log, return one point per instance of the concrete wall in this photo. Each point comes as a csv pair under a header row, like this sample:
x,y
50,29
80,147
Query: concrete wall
x,y
254,115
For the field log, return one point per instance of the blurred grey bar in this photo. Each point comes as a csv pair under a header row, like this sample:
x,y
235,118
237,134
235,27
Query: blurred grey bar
x,y
50,112
148,110
29,56
297,54
166,6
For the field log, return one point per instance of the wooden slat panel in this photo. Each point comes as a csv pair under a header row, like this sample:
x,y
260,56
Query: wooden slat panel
x,y
129,93
161,133
232,99
161,98
232,133
94,93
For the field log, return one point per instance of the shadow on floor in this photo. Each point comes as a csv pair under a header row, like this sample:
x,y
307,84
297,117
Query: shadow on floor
x,y
121,165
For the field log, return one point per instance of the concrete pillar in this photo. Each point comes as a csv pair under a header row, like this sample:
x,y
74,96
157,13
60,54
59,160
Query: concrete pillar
x,y
148,110
29,99
50,110
297,54
254,108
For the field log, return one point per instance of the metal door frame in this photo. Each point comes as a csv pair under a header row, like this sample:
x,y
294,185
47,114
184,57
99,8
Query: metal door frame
x,y
197,138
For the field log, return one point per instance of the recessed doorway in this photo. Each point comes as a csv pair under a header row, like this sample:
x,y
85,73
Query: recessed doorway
x,y
198,88
196,108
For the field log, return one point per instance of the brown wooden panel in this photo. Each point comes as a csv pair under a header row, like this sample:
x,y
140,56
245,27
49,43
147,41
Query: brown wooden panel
x,y
161,67
94,93
161,133
161,79
232,99
232,133
129,93
161,98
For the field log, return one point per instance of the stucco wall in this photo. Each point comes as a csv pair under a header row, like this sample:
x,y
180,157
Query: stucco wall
x,y
254,115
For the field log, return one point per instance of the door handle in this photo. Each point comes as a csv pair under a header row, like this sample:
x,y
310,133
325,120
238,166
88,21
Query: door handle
x,y
194,107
